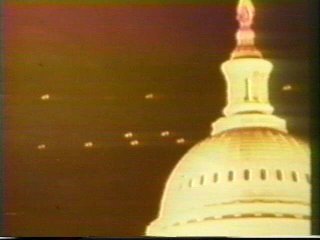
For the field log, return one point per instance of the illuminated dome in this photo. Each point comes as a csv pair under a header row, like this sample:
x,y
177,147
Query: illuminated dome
x,y
251,181
250,177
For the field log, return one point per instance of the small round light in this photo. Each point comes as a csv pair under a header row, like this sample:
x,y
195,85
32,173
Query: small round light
x,y
88,144
165,134
149,96
287,87
180,141
134,143
128,135
45,97
41,146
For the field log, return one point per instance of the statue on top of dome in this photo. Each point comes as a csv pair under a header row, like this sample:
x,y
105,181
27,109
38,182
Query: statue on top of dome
x,y
245,35
245,12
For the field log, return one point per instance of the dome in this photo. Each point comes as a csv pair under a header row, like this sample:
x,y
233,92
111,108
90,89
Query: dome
x,y
258,175
250,177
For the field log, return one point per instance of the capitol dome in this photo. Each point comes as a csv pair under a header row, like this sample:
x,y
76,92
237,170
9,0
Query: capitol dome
x,y
258,175
250,177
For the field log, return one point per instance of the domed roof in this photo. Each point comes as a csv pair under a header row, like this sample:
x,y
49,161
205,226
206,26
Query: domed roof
x,y
247,165
250,178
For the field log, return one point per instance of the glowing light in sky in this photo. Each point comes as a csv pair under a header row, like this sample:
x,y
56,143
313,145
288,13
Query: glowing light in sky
x,y
88,144
128,135
149,96
134,143
45,97
41,146
165,133
180,141
287,87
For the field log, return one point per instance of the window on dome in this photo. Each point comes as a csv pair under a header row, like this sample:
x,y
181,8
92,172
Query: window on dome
x,y
190,183
202,180
263,174
215,177
246,175
279,175
230,176
295,176
248,96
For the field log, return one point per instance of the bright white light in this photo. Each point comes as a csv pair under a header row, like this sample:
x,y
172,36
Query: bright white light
x,y
128,135
134,143
149,96
88,144
45,97
165,133
180,141
287,87
41,146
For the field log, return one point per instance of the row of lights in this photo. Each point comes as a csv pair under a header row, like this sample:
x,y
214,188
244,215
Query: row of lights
x,y
162,134
46,97
86,145
128,135
134,142
150,96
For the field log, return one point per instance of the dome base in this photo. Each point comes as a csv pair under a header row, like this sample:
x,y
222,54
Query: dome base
x,y
248,121
267,226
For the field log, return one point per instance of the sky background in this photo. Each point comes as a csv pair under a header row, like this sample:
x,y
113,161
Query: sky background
x,y
97,60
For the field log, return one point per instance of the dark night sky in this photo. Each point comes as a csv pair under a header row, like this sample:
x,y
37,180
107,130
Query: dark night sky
x,y
98,61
